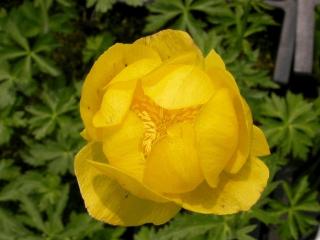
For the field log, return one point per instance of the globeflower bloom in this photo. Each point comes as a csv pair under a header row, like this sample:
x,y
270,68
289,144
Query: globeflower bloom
x,y
166,129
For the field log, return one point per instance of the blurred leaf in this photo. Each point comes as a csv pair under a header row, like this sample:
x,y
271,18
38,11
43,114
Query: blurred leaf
x,y
101,5
8,170
145,233
12,229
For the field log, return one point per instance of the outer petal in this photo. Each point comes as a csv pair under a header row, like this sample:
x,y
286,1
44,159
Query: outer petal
x,y
122,146
259,145
241,155
217,135
174,46
108,65
233,194
214,60
178,86
173,164
119,93
131,184
107,201
223,79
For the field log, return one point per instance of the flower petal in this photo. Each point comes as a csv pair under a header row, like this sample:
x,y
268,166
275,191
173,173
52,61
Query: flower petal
x,y
234,193
173,165
108,65
216,129
108,201
128,182
174,46
122,146
174,86
213,59
241,155
119,93
260,145
221,78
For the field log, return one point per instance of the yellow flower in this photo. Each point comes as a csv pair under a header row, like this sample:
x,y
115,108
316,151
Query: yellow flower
x,y
166,129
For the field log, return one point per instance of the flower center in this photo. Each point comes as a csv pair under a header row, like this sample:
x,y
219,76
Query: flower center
x,y
156,119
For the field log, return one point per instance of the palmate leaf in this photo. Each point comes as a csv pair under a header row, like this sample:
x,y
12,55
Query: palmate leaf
x,y
179,14
56,155
238,20
290,124
201,227
18,50
105,5
43,16
54,111
297,213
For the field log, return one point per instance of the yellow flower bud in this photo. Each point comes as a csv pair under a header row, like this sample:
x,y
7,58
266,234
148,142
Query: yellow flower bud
x,y
166,129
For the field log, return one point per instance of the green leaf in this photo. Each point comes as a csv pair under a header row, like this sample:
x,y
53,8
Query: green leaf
x,y
295,212
34,216
101,5
8,171
56,155
52,113
10,119
75,227
11,228
18,48
96,45
186,226
290,124
200,227
135,3
177,14
145,233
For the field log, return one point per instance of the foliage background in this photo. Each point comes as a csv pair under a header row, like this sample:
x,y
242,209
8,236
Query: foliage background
x,y
46,49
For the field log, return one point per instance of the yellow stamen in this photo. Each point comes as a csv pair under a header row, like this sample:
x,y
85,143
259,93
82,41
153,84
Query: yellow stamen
x,y
156,119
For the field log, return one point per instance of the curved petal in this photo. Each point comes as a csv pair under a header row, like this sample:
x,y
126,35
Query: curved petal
x,y
238,192
216,129
173,165
241,155
213,59
93,154
122,146
223,79
220,77
259,145
107,66
119,93
178,86
174,46
109,202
